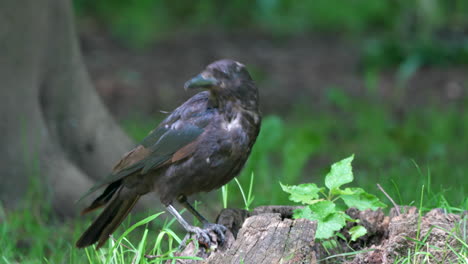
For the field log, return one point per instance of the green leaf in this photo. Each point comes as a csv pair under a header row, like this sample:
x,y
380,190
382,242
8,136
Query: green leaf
x,y
340,235
317,211
362,200
347,191
328,219
303,213
327,227
340,173
322,209
302,193
357,232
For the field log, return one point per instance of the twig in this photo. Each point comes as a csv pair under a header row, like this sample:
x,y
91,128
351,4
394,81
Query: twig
x,y
122,244
390,198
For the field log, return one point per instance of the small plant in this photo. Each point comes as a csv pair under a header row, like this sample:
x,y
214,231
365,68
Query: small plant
x,y
248,200
321,204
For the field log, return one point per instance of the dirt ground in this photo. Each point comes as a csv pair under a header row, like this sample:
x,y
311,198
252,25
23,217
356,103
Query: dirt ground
x,y
405,231
290,72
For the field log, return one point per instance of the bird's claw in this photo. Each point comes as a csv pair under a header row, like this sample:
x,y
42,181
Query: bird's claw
x,y
218,229
203,235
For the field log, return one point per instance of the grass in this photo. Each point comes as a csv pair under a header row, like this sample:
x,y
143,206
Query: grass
x,y
28,237
149,249
425,147
423,251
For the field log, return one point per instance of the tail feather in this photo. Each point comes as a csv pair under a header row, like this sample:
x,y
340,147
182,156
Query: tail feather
x,y
108,221
104,198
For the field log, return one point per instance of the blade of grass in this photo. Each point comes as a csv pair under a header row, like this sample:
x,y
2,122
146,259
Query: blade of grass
x,y
129,230
141,247
420,213
243,194
249,195
224,194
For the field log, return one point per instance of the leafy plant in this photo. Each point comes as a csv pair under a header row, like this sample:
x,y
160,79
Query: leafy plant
x,y
321,206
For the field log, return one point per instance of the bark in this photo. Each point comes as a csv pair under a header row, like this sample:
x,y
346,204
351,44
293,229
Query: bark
x,y
266,235
54,128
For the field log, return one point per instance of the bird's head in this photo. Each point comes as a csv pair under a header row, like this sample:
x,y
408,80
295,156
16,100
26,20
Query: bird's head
x,y
229,80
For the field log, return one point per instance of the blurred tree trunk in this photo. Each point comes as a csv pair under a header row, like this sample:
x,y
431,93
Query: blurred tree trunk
x,y
53,127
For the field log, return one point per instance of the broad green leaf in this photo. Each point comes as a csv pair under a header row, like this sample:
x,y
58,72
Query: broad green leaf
x,y
327,227
328,219
303,213
340,173
302,193
357,232
322,209
362,200
317,211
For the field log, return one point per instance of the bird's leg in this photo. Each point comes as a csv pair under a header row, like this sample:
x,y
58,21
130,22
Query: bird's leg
x,y
183,200
220,230
202,235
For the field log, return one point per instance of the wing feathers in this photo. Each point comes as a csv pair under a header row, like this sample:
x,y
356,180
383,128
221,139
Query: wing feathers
x,y
171,141
136,155
185,151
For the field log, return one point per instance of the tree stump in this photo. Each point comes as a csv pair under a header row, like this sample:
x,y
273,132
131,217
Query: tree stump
x,y
269,235
265,235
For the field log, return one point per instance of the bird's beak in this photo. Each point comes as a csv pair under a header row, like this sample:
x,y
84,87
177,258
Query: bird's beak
x,y
200,81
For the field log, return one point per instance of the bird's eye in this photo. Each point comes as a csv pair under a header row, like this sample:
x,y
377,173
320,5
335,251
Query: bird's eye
x,y
221,74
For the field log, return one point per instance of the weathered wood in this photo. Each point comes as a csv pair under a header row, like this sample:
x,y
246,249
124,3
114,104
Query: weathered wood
x,y
269,235
265,235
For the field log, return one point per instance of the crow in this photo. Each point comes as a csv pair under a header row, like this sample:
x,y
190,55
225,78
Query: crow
x,y
200,146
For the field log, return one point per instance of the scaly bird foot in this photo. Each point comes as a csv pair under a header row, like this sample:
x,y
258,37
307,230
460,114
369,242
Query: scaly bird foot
x,y
218,229
202,235
205,236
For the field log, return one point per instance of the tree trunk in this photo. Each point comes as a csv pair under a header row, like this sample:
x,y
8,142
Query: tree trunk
x,y
266,235
54,128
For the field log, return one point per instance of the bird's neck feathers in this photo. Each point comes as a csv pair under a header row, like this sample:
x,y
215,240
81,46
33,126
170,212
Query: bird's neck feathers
x,y
232,107
244,97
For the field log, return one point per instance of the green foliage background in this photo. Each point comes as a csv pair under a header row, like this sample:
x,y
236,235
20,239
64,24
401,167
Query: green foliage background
x,y
430,31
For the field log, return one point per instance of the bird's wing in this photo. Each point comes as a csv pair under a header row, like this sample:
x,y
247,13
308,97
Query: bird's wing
x,y
174,139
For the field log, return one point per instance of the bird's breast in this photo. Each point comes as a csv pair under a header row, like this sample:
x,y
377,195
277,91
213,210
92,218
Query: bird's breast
x,y
220,153
234,123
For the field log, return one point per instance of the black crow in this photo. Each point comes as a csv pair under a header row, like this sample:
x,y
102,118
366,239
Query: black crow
x,y
199,147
